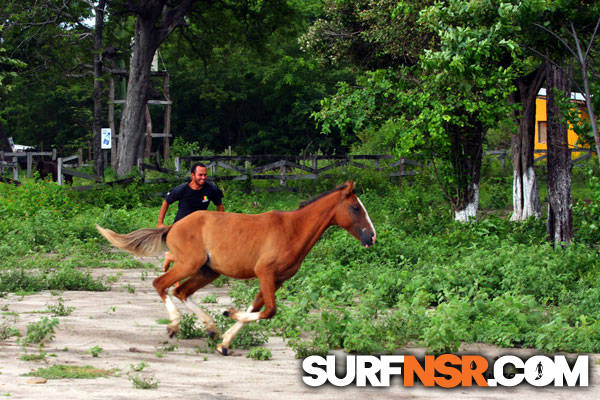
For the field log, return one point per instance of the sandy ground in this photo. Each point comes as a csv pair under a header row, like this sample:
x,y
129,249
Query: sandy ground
x,y
125,326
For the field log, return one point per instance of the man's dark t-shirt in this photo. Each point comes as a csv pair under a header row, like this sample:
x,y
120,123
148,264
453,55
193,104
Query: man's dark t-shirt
x,y
191,200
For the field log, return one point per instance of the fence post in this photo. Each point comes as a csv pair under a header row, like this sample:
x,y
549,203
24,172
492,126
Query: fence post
x,y
141,169
315,163
53,154
282,179
1,162
59,170
401,172
15,170
177,165
29,163
80,157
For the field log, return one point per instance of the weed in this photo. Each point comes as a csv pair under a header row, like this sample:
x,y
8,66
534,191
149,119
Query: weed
x,y
138,367
260,353
71,372
130,288
60,309
7,331
34,357
95,351
143,382
39,332
210,299
188,328
163,321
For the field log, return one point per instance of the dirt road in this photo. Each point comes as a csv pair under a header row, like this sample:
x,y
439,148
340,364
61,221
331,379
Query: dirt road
x,y
123,322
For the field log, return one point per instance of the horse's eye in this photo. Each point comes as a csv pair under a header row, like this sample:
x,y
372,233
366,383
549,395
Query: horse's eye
x,y
355,207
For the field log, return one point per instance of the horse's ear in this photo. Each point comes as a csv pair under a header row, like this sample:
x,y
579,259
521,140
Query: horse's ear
x,y
349,188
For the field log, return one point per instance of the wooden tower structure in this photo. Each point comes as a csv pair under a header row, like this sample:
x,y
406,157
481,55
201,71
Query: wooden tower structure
x,y
165,100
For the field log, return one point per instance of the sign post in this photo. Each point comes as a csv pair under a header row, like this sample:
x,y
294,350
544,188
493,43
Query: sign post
x,y
106,138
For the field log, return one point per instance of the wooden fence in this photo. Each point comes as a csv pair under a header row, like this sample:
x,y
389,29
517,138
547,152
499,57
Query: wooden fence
x,y
291,168
255,167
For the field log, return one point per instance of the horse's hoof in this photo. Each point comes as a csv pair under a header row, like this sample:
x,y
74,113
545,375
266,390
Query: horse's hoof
x,y
222,350
230,313
211,334
171,331
227,313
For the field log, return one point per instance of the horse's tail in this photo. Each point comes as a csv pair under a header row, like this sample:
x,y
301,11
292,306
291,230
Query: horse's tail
x,y
143,242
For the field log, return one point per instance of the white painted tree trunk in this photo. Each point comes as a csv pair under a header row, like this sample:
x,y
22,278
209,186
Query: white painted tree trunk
x,y
526,200
469,213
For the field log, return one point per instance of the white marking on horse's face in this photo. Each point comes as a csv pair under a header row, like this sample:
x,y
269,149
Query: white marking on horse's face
x,y
368,219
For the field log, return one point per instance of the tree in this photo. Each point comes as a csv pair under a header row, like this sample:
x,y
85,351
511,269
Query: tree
x,y
581,52
49,37
442,104
155,20
526,199
98,89
560,216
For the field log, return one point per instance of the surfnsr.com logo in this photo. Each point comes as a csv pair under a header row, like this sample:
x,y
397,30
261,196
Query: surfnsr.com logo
x,y
447,371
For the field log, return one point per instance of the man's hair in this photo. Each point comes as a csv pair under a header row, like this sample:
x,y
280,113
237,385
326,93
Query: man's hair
x,y
198,164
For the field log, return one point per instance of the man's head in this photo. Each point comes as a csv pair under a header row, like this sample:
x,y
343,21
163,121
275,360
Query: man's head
x,y
198,173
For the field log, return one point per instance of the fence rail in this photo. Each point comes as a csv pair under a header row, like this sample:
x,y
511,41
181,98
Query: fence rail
x,y
268,167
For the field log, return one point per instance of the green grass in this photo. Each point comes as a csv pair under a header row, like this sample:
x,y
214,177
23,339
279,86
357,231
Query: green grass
x,y
260,353
428,281
70,372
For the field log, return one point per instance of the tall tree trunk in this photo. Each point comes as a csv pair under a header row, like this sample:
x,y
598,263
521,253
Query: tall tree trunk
x,y
98,87
4,143
131,131
467,153
560,216
526,198
156,19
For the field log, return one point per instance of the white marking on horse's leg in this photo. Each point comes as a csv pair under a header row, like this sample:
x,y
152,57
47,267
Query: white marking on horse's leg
x,y
174,315
246,316
368,218
232,332
204,317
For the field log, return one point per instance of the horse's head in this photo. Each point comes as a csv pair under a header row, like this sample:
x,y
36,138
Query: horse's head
x,y
352,215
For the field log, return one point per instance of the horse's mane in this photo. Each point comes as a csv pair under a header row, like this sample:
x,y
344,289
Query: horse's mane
x,y
307,202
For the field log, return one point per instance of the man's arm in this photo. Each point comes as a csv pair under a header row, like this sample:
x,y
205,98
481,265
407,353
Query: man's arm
x,y
162,213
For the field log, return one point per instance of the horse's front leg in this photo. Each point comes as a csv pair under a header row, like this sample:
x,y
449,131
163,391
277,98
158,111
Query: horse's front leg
x,y
251,314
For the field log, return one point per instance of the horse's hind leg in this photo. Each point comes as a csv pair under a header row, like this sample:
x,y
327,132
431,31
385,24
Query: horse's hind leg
x,y
164,282
184,292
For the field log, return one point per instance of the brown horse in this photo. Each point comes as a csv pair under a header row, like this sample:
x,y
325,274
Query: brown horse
x,y
269,246
46,168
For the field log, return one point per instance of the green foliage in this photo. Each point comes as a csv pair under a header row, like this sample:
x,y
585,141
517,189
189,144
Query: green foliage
x,y
586,213
7,331
59,309
259,353
188,329
143,382
34,357
95,351
70,372
138,367
40,332
67,278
